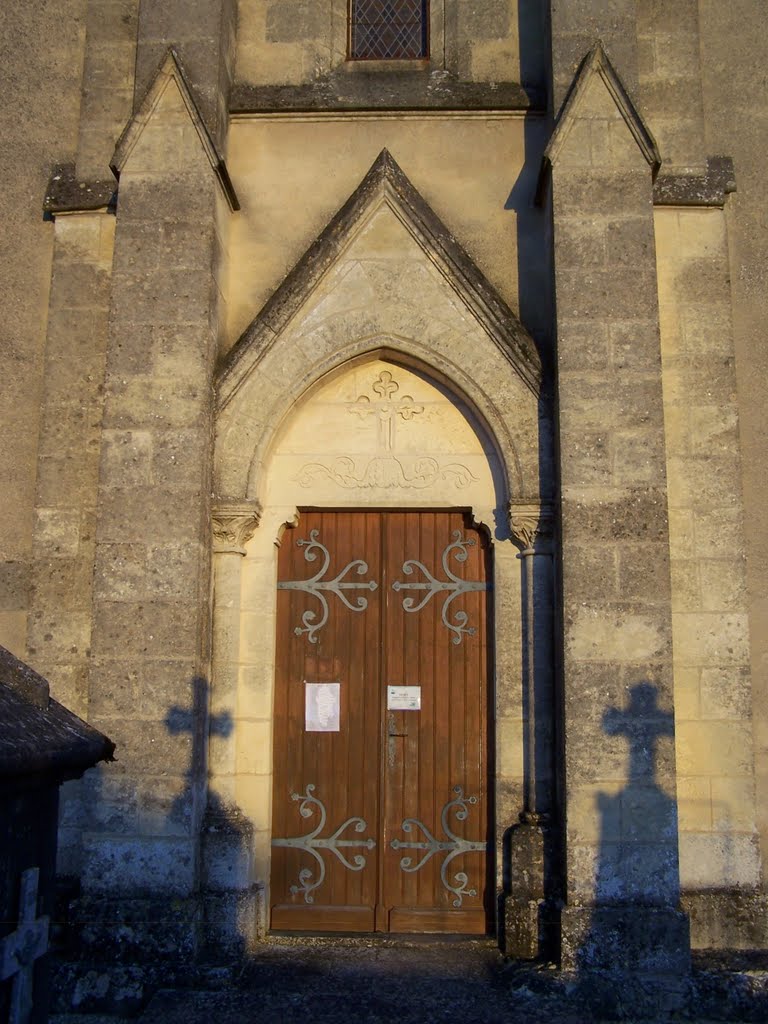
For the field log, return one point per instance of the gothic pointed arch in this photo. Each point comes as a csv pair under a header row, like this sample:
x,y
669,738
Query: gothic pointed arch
x,y
386,276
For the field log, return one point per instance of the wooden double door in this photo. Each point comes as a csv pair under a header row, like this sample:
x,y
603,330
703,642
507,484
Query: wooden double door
x,y
381,817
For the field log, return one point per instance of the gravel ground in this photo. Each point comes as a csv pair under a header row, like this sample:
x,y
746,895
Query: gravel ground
x,y
321,981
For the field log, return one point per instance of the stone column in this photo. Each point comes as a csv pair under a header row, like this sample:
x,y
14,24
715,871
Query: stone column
x,y
527,916
231,902
620,816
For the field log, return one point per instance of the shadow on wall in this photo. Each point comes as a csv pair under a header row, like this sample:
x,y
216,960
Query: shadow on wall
x,y
167,876
230,901
632,955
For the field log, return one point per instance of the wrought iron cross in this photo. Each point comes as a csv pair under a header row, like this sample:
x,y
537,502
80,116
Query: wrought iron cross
x,y
20,949
386,408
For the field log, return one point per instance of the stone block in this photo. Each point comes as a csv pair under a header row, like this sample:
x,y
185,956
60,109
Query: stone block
x,y
124,518
509,747
605,635
723,587
126,456
586,824
123,576
253,795
643,572
177,457
189,196
718,530
681,534
255,699
707,638
57,532
726,693
714,748
733,805
687,698
591,570
580,243
57,636
627,293
600,516
113,689
588,458
111,801
717,861
694,803
165,805
635,344
697,383
686,589
154,629
582,347
140,865
15,585
600,191
639,457
234,921
140,404
164,684
147,747
727,918
294,21
714,429
69,481
639,939
254,747
139,930
227,850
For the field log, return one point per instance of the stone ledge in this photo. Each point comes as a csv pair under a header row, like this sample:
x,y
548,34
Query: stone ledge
x,y
384,91
727,918
67,193
708,189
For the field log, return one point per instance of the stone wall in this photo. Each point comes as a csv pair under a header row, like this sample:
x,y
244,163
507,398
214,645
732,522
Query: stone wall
x,y
735,106
39,116
713,705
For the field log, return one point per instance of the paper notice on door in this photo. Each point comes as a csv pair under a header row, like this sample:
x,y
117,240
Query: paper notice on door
x,y
322,703
403,698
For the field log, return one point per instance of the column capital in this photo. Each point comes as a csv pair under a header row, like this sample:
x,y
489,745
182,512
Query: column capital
x,y
234,523
531,522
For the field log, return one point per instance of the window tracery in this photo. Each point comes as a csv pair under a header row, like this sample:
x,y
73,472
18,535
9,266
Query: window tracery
x,y
388,29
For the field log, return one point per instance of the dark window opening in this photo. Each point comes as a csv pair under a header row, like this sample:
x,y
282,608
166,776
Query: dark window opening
x,y
388,29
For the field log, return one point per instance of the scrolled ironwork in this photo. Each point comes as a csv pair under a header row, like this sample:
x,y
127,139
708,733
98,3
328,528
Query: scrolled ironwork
x,y
316,586
454,847
310,843
453,585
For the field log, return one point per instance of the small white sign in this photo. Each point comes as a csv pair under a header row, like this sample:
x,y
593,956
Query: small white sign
x,y
403,698
321,707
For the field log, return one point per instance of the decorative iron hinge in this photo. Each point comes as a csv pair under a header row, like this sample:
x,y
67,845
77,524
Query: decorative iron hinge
x,y
454,847
311,844
453,585
316,586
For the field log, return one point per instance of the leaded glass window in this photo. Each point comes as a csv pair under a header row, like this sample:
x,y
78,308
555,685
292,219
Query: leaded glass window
x,y
388,29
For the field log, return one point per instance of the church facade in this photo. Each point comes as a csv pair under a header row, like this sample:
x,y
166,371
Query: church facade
x,y
385,465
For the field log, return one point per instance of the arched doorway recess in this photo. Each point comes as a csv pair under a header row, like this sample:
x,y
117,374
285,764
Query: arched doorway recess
x,y
391,378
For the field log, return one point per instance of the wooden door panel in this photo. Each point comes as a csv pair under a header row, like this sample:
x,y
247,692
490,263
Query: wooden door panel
x,y
321,881
411,785
428,824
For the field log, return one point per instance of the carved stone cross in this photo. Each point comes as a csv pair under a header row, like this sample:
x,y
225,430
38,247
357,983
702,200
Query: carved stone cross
x,y
20,949
386,409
